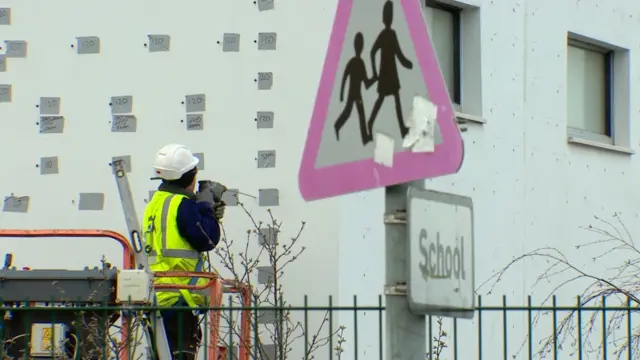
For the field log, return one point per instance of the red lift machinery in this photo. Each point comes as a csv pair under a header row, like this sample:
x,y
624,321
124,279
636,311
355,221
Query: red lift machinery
x,y
45,311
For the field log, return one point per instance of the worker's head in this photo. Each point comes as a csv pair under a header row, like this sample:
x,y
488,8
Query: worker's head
x,y
358,43
175,164
387,14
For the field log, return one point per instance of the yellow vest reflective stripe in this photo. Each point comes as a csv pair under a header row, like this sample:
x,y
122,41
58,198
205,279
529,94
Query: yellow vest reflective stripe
x,y
170,251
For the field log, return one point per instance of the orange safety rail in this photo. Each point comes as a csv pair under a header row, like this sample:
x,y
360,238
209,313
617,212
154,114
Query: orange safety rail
x,y
244,290
217,287
245,321
128,256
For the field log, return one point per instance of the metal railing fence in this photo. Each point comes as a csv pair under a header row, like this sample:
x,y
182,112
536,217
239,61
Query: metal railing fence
x,y
332,331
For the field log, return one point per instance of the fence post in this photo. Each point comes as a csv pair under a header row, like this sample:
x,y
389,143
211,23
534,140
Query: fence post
x,y
406,336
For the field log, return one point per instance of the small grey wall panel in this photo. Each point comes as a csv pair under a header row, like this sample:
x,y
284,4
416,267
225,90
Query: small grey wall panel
x,y
124,123
121,104
159,43
51,124
49,106
200,156
5,93
16,48
266,158
127,162
49,165
88,45
268,352
91,201
265,119
5,16
268,197
268,236
265,274
267,316
3,63
195,103
230,197
267,40
16,204
231,42
195,121
265,80
266,5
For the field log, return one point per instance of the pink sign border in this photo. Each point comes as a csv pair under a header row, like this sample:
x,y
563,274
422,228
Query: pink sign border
x,y
317,183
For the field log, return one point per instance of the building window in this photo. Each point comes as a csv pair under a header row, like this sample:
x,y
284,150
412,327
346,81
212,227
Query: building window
x,y
443,22
589,91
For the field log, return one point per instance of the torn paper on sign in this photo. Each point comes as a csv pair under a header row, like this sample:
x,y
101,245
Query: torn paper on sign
x,y
384,147
422,128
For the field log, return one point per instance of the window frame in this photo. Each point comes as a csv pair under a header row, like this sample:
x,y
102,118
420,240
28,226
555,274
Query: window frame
x,y
608,73
456,13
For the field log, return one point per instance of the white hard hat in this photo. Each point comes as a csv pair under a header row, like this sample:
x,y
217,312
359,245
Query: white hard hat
x,y
173,161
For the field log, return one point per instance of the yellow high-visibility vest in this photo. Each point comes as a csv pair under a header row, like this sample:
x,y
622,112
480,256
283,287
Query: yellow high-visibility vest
x,y
170,251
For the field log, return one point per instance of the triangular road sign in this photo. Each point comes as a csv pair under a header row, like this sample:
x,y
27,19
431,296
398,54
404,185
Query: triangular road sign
x,y
380,57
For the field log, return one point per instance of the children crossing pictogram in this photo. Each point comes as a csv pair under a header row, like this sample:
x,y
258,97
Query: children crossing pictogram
x,y
390,50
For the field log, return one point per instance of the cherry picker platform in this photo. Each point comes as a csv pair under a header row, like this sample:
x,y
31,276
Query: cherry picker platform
x,y
46,312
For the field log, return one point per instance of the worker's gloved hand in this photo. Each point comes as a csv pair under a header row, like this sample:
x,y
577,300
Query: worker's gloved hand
x,y
218,209
205,195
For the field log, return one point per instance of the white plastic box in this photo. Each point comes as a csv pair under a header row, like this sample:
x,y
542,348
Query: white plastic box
x,y
134,286
46,336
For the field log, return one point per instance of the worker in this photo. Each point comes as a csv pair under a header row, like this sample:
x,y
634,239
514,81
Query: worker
x,y
181,227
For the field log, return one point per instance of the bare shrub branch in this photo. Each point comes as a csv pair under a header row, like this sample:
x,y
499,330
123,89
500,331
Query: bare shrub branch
x,y
274,325
618,292
439,342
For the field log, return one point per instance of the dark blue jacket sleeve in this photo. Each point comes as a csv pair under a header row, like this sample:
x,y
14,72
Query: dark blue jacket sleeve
x,y
198,225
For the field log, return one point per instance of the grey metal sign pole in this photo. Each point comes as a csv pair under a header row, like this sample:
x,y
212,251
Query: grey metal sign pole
x,y
430,267
406,337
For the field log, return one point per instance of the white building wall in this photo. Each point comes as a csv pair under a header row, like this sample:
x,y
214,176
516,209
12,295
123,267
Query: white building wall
x,y
530,187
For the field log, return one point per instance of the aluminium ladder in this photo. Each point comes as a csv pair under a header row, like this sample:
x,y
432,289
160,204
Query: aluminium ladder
x,y
158,339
